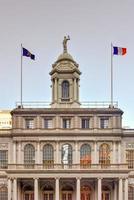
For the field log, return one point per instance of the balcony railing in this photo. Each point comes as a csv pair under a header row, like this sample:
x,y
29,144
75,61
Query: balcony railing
x,y
67,167
83,104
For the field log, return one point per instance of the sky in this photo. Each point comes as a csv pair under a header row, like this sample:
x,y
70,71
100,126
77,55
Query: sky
x,y
40,25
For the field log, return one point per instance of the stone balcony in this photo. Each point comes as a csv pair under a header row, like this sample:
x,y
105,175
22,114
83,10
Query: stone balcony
x,y
66,167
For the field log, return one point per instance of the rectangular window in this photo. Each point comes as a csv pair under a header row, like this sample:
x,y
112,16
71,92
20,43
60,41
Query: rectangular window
x,y
130,158
66,123
48,123
104,122
85,123
3,159
29,123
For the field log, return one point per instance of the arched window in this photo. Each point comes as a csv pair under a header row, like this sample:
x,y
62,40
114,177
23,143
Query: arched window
x,y
85,155
48,156
65,90
66,155
29,155
104,155
3,193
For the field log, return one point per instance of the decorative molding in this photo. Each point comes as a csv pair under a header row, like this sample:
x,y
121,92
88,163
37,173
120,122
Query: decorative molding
x,y
3,146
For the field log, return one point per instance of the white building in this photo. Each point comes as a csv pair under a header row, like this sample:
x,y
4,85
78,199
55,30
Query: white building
x,y
67,151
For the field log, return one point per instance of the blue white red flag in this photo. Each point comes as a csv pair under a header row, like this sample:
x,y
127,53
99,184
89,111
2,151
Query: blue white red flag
x,y
119,51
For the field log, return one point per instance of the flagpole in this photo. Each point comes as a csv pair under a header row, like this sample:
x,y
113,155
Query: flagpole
x,y
21,76
111,75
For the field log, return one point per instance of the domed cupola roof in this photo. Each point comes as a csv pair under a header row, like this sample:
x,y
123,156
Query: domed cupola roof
x,y
65,62
65,56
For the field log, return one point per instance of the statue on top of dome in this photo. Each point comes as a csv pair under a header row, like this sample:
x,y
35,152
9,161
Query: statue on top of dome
x,y
65,43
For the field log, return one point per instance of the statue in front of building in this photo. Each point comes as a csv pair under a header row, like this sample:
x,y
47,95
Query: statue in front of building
x,y
65,43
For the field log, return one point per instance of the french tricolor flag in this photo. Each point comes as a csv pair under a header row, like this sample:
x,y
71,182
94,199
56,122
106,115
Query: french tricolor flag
x,y
119,51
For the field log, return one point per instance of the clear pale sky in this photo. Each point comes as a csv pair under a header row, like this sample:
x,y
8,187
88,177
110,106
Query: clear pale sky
x,y
40,26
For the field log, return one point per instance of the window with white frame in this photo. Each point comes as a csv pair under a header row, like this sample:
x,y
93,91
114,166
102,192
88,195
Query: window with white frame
x,y
48,123
85,123
3,159
29,123
66,123
104,122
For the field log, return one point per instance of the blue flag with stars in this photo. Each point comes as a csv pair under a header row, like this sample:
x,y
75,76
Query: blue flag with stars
x,y
28,54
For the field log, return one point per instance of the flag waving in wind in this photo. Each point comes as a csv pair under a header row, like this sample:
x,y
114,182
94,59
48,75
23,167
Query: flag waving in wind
x,y
119,51
27,53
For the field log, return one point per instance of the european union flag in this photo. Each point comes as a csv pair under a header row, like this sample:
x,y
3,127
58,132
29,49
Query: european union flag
x,y
28,54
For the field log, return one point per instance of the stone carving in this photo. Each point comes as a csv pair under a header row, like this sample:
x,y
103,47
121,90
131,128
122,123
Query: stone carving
x,y
65,43
3,146
130,145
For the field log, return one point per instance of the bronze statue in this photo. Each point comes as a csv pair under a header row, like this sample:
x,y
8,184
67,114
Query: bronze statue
x,y
65,43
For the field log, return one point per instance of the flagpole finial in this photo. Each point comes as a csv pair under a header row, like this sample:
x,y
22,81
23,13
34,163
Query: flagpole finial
x,y
65,43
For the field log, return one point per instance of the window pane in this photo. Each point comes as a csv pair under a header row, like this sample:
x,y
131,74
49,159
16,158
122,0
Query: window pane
x,y
85,155
131,193
130,158
66,123
67,154
29,123
48,155
104,155
104,122
65,90
3,193
47,123
85,123
3,159
29,155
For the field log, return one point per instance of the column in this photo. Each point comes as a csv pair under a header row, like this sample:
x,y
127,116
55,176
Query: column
x,y
57,152
14,152
57,189
95,153
76,153
14,189
9,189
119,153
126,189
99,188
38,153
120,189
55,88
78,189
36,189
52,90
115,190
74,89
114,152
19,153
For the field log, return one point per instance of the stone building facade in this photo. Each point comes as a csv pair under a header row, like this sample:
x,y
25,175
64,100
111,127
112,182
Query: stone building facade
x,y
67,151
